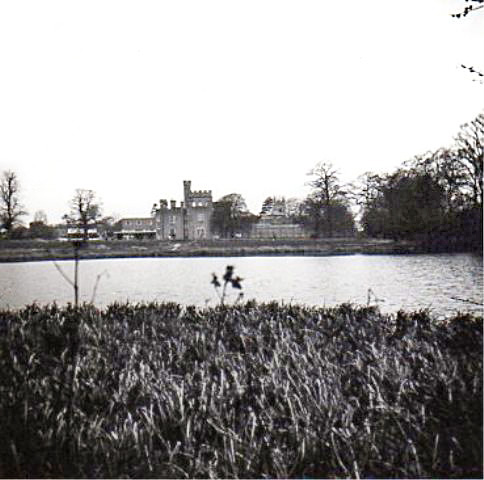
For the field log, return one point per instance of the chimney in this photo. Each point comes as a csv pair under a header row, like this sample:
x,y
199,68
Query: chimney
x,y
172,204
187,185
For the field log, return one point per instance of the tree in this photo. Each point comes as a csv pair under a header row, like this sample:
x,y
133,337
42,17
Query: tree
x,y
446,169
409,204
39,228
414,202
107,226
274,206
435,198
19,233
85,210
40,217
366,194
343,220
470,155
10,207
326,193
365,190
291,208
328,221
229,215
267,206
294,209
471,6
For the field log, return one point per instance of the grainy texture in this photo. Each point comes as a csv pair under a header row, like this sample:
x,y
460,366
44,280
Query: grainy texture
x,y
288,391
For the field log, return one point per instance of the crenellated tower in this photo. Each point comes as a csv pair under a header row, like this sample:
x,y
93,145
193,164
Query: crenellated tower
x,y
189,221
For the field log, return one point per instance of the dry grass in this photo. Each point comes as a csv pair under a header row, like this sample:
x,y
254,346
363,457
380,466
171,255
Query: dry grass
x,y
248,391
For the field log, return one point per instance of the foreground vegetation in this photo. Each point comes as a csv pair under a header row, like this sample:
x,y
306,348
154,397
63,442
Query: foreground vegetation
x,y
252,390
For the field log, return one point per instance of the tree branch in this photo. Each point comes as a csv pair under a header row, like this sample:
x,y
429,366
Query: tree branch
x,y
66,278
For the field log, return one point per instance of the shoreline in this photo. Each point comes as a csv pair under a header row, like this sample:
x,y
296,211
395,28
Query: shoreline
x,y
109,250
37,251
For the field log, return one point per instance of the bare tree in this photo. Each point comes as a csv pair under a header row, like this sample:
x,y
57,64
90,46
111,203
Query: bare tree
x,y
326,193
40,217
10,207
470,154
85,210
294,208
470,6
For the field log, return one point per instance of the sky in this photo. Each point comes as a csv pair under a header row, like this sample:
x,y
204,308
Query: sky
x,y
130,98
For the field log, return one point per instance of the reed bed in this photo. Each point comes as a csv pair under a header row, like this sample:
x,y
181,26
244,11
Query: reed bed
x,y
244,391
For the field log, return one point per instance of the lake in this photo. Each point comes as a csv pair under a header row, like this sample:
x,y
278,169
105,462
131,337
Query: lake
x,y
439,282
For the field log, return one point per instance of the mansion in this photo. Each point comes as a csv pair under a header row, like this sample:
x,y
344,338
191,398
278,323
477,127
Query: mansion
x,y
190,220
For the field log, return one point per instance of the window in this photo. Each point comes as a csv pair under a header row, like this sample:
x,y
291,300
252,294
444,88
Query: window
x,y
201,217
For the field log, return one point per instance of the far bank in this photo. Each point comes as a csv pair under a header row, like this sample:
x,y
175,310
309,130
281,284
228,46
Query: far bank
x,y
37,250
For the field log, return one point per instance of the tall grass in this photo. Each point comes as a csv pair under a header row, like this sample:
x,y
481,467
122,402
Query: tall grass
x,y
273,390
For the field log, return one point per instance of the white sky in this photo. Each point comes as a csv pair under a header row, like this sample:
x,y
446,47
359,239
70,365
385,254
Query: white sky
x,y
131,98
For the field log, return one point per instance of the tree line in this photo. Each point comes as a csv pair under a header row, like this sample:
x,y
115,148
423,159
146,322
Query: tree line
x,y
84,213
435,199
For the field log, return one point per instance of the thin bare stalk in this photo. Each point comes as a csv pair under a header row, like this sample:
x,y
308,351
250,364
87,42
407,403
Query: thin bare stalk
x,y
98,278
66,278
74,284
76,276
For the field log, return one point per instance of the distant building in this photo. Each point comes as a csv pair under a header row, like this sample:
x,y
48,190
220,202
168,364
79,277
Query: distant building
x,y
190,220
276,225
137,229
70,233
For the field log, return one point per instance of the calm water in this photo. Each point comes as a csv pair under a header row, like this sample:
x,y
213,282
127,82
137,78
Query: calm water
x,y
399,281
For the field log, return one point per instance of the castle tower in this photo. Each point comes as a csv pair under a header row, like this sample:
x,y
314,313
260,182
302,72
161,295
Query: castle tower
x,y
190,220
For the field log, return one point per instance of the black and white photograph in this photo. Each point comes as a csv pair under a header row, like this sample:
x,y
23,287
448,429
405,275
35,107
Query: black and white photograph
x,y
241,239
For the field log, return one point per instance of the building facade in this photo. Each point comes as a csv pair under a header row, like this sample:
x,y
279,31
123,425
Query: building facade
x,y
137,229
188,221
275,226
